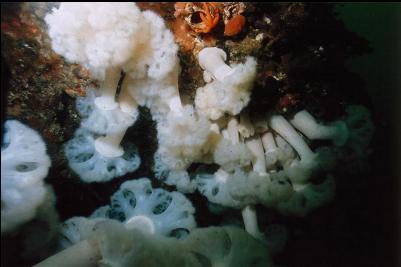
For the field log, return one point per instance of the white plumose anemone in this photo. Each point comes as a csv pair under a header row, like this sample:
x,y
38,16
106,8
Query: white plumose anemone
x,y
24,165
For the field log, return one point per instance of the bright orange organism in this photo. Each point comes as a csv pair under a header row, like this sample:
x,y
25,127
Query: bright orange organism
x,y
210,17
202,17
234,25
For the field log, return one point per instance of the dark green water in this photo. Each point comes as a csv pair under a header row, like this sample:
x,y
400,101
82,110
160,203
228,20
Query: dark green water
x,y
380,23
381,69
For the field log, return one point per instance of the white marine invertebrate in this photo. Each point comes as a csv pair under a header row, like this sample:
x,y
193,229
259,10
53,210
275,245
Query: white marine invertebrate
x,y
24,165
229,92
156,211
109,243
99,165
307,124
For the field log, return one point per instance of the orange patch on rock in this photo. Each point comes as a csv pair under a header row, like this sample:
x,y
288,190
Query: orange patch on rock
x,y
234,25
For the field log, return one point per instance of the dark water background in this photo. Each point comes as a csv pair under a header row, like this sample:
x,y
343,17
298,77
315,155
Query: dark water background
x,y
371,234
381,25
363,225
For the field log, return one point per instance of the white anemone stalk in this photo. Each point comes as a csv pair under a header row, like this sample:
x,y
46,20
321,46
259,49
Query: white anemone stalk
x,y
212,60
110,145
232,130
249,214
297,170
256,147
246,127
271,150
106,100
127,103
307,124
282,127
